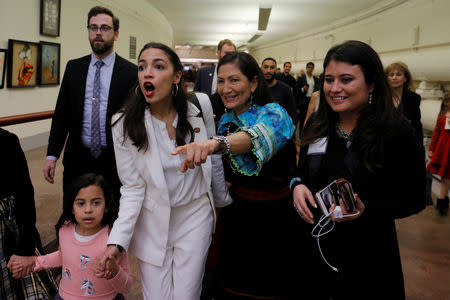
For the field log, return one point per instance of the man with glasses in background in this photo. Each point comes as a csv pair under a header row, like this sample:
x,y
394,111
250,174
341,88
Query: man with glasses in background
x,y
93,88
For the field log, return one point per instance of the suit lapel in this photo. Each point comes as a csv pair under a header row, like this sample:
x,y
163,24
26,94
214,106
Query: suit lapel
x,y
84,68
114,86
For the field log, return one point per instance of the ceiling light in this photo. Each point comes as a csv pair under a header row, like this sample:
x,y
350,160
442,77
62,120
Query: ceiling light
x,y
264,14
253,38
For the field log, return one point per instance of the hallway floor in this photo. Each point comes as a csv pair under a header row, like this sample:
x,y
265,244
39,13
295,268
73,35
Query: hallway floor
x,y
424,238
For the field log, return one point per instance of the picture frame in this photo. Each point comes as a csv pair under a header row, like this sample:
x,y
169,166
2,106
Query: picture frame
x,y
23,64
3,57
50,17
49,63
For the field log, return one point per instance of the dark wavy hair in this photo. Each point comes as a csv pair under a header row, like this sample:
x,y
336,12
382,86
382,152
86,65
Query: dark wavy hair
x,y
84,181
250,68
133,111
375,120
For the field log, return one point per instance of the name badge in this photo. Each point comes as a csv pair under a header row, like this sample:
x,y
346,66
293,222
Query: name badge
x,y
318,147
447,124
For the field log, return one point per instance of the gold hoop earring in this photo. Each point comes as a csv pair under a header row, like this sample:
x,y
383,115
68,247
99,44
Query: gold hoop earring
x,y
176,90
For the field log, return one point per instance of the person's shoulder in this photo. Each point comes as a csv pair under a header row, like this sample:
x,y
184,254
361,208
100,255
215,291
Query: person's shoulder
x,y
5,133
126,63
282,85
80,60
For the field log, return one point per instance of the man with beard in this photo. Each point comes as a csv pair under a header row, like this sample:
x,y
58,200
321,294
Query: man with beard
x,y
281,92
93,88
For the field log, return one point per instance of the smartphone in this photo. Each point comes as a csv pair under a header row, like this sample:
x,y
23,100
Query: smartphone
x,y
332,193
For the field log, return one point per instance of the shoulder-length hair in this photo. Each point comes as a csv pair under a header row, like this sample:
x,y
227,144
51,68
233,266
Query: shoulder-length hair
x,y
408,85
133,112
250,68
374,118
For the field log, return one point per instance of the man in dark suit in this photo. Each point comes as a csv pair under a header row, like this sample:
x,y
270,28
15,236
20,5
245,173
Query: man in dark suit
x,y
286,76
306,85
206,81
94,87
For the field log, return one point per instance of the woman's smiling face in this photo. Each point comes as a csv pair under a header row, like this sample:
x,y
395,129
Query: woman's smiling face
x,y
234,88
345,87
156,75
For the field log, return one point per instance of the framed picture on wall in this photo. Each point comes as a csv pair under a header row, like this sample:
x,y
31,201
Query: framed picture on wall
x,y
49,58
3,53
22,64
50,17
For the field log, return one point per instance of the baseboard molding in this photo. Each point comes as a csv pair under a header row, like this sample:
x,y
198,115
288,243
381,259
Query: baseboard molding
x,y
35,141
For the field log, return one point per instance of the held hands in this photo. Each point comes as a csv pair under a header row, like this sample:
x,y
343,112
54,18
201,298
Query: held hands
x,y
49,170
21,266
105,266
196,153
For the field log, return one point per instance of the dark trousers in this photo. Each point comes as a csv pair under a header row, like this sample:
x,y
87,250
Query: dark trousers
x,y
83,162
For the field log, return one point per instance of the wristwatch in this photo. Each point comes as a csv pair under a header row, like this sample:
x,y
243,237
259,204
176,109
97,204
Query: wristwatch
x,y
224,144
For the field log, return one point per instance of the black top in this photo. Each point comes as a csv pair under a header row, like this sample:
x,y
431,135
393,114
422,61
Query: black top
x,y
410,108
282,94
365,250
288,79
15,181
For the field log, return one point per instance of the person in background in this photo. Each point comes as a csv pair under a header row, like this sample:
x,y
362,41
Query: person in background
x,y
403,96
359,136
255,139
286,77
439,153
18,233
82,231
166,218
306,85
92,89
281,92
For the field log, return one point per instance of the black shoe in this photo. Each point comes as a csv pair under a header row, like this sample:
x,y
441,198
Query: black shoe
x,y
442,206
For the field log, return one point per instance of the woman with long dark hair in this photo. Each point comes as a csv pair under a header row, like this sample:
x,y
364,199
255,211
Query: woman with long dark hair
x,y
255,138
359,136
166,217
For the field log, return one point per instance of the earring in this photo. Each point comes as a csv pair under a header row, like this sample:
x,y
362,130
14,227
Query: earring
x,y
251,99
176,90
370,98
136,91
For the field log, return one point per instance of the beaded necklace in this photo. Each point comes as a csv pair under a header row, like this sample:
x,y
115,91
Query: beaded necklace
x,y
344,135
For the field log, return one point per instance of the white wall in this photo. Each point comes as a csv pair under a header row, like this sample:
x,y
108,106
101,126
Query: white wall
x,y
413,31
391,31
19,19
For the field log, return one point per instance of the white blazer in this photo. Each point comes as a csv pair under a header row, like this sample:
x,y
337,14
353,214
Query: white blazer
x,y
143,223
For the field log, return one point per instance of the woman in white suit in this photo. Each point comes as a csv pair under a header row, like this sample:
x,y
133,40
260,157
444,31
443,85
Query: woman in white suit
x,y
166,217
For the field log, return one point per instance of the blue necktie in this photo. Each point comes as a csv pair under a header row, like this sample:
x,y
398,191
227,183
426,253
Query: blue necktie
x,y
95,115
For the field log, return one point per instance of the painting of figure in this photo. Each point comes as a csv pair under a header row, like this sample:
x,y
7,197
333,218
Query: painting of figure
x,y
49,63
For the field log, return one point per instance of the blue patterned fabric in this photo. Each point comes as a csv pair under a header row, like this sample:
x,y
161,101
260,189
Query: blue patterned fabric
x,y
95,116
270,128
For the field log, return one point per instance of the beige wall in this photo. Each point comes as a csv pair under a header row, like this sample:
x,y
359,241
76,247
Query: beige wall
x,y
19,19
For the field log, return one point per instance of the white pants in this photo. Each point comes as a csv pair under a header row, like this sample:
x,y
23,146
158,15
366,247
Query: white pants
x,y
180,276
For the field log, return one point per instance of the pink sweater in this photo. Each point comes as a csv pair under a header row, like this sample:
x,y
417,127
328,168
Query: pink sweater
x,y
77,260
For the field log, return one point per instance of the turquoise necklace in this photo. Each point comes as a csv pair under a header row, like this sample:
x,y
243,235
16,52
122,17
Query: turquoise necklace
x,y
344,135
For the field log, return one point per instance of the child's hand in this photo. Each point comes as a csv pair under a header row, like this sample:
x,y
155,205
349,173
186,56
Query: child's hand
x,y
100,262
111,267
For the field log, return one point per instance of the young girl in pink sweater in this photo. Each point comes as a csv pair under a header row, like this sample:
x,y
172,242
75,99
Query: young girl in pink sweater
x,y
83,230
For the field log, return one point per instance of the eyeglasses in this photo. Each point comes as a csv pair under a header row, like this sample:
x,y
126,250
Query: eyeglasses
x,y
94,28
